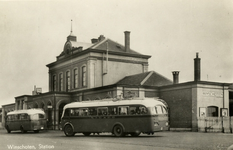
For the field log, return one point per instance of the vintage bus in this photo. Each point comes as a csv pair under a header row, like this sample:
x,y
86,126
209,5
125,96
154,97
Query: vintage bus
x,y
120,117
26,120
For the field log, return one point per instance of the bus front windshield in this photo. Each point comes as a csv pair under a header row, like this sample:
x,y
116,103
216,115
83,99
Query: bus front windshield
x,y
37,116
159,109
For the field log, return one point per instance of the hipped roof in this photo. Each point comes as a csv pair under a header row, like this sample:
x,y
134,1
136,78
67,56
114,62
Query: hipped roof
x,y
145,79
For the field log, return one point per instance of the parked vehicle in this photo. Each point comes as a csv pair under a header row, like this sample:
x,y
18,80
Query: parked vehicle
x,y
120,117
25,120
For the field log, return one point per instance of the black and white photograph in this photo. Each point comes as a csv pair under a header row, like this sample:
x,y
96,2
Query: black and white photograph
x,y
116,74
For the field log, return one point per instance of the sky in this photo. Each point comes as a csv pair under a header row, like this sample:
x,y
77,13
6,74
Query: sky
x,y
33,33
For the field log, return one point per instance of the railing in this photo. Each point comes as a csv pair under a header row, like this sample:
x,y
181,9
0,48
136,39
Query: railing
x,y
215,124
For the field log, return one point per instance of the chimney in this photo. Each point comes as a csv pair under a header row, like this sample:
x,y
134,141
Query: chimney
x,y
175,77
197,68
127,41
101,37
93,41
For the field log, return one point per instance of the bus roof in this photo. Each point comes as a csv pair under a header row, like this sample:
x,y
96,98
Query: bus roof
x,y
147,102
27,111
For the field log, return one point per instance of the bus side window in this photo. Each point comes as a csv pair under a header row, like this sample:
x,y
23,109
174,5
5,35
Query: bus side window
x,y
112,111
143,110
102,111
21,116
8,118
85,112
17,117
123,110
92,111
132,110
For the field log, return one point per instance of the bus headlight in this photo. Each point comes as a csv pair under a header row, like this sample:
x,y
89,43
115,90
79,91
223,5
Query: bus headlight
x,y
166,123
156,124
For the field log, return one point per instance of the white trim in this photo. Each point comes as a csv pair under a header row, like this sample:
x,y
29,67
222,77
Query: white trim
x,y
99,43
144,80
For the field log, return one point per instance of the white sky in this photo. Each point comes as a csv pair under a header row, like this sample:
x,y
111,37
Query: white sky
x,y
33,33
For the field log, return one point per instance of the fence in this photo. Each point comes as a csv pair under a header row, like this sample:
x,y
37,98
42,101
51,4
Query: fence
x,y
215,124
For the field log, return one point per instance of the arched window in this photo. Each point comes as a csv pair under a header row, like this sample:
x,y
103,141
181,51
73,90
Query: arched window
x,y
75,78
67,81
84,69
54,83
60,82
212,111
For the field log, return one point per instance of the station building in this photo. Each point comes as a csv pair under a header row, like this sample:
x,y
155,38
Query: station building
x,y
106,69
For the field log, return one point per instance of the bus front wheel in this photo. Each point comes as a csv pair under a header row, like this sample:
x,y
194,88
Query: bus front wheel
x,y
68,130
118,130
8,129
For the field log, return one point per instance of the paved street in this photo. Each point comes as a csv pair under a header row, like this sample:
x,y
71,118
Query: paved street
x,y
161,141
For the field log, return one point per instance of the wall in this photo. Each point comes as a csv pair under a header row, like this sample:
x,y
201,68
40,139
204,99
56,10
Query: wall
x,y
212,95
5,110
179,101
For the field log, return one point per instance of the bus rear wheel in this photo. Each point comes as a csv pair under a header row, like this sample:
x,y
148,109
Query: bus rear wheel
x,y
118,131
22,130
36,131
86,133
135,134
68,130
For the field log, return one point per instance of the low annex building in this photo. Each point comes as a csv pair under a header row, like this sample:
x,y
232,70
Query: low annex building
x,y
106,69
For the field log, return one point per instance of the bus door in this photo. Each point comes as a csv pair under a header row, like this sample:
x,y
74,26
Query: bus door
x,y
9,121
25,121
103,121
14,123
77,118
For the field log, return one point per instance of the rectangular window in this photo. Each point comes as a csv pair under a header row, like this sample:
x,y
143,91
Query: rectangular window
x,y
212,111
93,111
67,81
75,78
84,76
54,83
112,111
79,112
123,110
102,111
137,110
61,82
23,116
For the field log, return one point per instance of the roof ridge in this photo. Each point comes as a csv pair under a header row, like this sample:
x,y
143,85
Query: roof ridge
x,y
94,46
162,76
147,77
